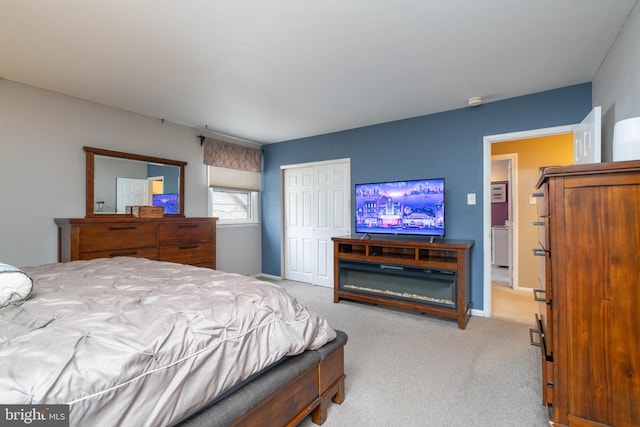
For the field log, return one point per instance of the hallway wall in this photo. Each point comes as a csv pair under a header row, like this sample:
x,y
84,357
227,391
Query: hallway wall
x,y
533,153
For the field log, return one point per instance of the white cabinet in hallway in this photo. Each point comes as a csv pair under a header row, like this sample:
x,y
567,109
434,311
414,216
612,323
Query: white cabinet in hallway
x,y
500,246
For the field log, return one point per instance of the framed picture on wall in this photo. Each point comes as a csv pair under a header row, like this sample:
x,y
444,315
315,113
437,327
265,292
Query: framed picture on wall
x,y
498,193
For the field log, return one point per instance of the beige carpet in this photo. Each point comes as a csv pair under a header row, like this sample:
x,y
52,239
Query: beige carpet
x,y
407,369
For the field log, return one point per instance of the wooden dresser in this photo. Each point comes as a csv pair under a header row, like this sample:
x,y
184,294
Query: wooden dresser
x,y
589,322
175,239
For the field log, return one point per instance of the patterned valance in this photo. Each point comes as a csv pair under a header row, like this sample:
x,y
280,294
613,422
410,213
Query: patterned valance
x,y
231,156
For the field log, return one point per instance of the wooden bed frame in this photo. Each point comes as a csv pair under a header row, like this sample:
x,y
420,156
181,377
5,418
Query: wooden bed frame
x,y
300,386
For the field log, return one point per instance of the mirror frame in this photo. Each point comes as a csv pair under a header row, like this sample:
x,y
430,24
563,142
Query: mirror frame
x,y
91,152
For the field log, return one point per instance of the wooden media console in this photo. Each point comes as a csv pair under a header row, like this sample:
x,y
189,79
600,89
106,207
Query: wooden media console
x,y
427,277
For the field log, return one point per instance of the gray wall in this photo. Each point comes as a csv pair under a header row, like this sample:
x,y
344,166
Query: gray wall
x,y
616,87
106,172
42,168
239,249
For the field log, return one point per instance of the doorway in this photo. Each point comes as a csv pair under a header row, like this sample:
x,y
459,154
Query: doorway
x,y
504,215
517,199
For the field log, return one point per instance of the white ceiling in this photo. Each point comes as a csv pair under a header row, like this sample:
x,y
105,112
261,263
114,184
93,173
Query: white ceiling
x,y
268,71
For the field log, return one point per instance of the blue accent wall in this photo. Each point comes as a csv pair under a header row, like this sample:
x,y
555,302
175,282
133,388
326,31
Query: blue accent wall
x,y
448,144
171,176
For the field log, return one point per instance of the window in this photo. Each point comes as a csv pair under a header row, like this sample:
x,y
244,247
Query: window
x,y
234,206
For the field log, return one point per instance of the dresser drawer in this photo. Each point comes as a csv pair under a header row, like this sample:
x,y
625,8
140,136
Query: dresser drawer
x,y
188,253
546,364
171,233
542,225
122,235
149,253
182,240
547,324
542,202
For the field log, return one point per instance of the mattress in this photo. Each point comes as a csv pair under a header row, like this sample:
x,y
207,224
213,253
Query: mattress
x,y
129,341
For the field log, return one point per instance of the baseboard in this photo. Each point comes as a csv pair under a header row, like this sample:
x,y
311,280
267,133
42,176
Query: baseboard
x,y
478,313
267,276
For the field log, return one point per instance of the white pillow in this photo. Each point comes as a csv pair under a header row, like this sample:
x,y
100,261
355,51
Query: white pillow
x,y
15,285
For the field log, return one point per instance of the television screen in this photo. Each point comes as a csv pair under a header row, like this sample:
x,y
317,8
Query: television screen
x,y
401,207
169,201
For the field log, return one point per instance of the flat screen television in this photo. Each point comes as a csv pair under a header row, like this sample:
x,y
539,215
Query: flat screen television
x,y
411,207
169,201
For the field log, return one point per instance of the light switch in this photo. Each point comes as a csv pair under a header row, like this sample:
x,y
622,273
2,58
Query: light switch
x,y
471,198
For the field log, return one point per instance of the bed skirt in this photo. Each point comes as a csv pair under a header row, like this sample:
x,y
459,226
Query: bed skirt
x,y
284,394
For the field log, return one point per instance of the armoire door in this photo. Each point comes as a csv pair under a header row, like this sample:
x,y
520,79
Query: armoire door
x,y
317,206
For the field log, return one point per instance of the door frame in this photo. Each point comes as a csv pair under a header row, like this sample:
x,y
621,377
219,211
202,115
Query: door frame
x,y
487,140
512,195
348,220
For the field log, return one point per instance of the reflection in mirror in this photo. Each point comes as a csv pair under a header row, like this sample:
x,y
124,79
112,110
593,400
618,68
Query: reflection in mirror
x,y
122,182
116,180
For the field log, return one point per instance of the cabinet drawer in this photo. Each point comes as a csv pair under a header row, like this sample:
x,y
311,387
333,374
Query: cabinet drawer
x,y
546,364
542,225
542,200
188,253
547,383
150,253
185,232
547,324
105,237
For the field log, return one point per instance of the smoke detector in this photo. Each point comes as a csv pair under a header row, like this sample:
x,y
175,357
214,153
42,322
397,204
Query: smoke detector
x,y
474,101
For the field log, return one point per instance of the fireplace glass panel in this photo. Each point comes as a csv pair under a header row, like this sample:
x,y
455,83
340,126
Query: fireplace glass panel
x,y
415,284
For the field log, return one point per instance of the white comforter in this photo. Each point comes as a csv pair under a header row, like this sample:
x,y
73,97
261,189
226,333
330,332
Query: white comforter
x,y
133,342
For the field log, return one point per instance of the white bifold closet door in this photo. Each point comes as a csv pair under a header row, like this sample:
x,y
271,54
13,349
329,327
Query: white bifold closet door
x,y
317,207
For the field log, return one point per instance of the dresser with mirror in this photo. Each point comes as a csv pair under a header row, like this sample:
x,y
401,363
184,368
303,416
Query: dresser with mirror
x,y
116,182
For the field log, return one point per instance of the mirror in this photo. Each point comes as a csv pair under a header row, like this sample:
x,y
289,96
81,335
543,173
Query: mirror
x,y
115,180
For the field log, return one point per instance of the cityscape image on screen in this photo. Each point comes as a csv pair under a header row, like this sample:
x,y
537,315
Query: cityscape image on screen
x,y
401,207
169,201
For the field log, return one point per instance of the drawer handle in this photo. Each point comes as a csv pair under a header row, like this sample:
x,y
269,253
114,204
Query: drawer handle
x,y
130,227
538,223
391,267
537,195
123,253
188,247
537,298
533,331
187,225
540,252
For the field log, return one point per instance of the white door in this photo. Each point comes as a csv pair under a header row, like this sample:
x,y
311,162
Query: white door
x,y
131,192
332,193
298,224
317,206
586,138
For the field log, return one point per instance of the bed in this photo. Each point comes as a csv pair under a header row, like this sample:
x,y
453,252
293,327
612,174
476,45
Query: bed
x,y
129,341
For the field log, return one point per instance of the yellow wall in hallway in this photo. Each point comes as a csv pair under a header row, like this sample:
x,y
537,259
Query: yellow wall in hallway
x,y
532,153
